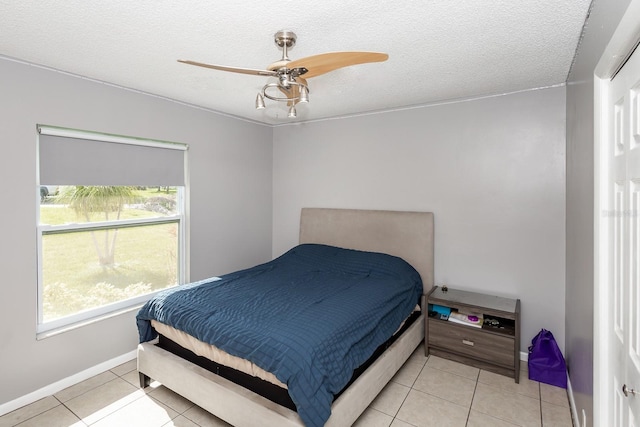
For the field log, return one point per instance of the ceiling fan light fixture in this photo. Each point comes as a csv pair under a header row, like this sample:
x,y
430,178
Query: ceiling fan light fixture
x,y
292,112
259,102
304,94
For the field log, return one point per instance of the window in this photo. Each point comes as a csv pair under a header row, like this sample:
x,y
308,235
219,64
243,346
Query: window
x,y
110,225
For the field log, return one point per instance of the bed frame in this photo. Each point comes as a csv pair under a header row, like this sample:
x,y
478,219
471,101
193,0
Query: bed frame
x,y
409,235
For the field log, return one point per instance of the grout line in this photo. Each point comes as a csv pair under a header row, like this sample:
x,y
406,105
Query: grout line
x,y
74,414
410,389
402,403
69,409
34,415
472,399
540,394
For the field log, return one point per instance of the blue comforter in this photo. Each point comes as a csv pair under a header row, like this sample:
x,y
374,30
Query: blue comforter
x,y
310,316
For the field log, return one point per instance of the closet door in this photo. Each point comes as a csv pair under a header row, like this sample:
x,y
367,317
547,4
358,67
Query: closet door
x,y
622,223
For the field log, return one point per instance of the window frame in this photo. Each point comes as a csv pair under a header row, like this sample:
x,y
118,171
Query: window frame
x,y
97,313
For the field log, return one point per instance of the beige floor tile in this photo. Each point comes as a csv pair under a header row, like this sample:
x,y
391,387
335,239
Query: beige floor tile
x,y
28,411
132,378
446,385
104,400
143,412
84,386
525,386
418,355
372,418
129,366
424,410
478,419
511,407
181,421
56,417
556,416
453,367
170,398
407,374
552,394
390,398
398,423
204,418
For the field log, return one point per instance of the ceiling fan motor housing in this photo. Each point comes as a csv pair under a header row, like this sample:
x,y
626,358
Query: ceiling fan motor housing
x,y
285,38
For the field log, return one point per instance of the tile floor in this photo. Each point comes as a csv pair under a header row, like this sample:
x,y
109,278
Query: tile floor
x,y
425,392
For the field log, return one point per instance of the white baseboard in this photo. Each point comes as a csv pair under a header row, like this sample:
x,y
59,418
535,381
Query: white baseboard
x,y
50,389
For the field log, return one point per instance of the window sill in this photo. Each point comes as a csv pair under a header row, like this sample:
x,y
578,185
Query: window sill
x,y
66,328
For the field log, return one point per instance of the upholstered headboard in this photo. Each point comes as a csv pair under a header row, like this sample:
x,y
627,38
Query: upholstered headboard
x,y
408,235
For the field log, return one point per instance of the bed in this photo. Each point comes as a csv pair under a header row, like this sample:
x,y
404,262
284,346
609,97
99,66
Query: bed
x,y
406,235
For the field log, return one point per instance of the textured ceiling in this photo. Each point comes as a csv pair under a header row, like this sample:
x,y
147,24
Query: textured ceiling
x,y
438,49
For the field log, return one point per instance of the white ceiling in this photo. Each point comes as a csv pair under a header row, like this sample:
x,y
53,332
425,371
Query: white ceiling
x,y
438,49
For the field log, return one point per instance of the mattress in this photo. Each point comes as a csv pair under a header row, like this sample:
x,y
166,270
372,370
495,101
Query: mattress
x,y
309,317
213,353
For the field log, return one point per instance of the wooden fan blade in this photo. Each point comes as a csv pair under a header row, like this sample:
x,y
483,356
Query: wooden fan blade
x,y
325,62
232,69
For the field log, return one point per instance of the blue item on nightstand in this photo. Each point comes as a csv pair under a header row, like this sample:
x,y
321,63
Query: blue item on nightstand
x,y
440,309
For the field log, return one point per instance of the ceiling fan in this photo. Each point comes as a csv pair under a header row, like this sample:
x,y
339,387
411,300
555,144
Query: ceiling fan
x,y
291,87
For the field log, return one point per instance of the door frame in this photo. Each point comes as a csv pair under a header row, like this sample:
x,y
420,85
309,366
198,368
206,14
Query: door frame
x,y
620,47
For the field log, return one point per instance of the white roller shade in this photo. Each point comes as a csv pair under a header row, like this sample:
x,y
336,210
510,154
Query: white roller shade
x,y
72,157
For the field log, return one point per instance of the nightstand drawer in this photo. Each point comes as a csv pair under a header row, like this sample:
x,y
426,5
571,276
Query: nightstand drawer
x,y
471,342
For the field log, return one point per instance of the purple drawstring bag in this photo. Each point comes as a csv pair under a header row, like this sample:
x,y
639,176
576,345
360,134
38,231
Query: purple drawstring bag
x,y
546,363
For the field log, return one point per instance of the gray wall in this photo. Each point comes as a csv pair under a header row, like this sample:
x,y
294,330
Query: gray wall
x,y
230,211
602,22
492,170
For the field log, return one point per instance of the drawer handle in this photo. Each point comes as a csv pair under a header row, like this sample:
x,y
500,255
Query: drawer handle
x,y
467,342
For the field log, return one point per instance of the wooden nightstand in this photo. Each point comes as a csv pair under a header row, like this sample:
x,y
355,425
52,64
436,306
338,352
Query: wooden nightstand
x,y
493,348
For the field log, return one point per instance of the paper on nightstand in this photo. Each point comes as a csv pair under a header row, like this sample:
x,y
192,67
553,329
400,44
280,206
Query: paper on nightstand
x,y
464,319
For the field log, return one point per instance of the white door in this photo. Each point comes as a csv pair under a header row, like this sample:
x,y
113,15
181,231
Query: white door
x,y
622,227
